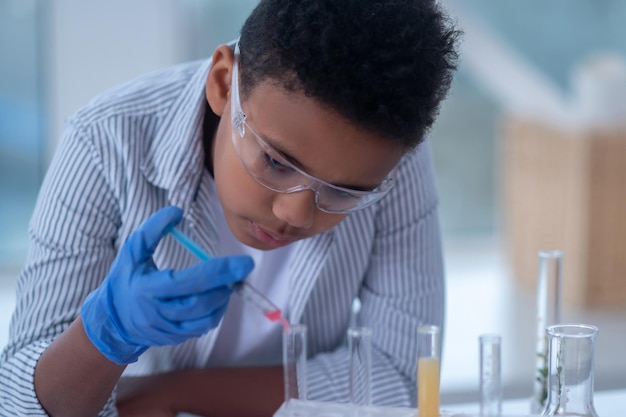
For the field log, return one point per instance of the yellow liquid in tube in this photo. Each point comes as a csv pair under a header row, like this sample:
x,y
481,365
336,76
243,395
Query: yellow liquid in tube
x,y
428,387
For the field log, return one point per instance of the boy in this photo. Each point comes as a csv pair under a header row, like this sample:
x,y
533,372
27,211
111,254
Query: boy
x,y
297,152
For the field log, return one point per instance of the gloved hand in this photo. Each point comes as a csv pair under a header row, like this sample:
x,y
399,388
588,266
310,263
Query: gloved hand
x,y
138,306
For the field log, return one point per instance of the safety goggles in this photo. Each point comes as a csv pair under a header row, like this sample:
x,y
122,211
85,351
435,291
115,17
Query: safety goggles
x,y
271,169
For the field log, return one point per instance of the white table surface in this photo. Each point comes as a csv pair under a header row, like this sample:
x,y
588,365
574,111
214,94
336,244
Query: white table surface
x,y
607,403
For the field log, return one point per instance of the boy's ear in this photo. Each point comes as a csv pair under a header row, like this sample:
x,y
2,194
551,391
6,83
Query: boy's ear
x,y
219,78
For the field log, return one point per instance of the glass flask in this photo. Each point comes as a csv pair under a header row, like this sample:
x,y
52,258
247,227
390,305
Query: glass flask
x,y
548,313
571,367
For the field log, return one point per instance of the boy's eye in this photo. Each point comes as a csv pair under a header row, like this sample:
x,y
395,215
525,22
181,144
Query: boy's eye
x,y
276,164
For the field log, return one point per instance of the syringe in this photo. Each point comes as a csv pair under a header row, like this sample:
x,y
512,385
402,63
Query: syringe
x,y
245,290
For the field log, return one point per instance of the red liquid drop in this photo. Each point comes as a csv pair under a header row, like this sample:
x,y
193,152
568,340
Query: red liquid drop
x,y
277,315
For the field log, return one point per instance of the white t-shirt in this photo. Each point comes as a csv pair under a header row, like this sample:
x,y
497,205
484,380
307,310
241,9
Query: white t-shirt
x,y
246,336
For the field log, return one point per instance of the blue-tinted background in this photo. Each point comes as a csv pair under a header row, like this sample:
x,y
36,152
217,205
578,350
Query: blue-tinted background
x,y
57,54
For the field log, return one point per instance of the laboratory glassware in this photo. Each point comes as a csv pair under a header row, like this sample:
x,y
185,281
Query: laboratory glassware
x,y
490,375
294,362
549,285
499,415
428,351
571,367
242,288
360,362
331,409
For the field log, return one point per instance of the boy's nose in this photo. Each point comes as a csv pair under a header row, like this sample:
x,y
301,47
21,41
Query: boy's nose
x,y
297,209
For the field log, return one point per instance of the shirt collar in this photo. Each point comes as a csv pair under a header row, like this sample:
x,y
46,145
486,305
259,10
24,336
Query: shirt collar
x,y
174,159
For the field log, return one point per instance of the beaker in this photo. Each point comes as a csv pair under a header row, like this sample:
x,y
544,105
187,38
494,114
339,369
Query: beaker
x,y
571,366
294,362
360,362
428,351
490,375
549,285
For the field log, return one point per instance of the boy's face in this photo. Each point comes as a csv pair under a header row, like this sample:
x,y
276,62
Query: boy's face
x,y
315,140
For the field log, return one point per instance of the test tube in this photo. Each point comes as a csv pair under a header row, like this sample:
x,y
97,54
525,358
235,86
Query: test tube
x,y
360,350
490,376
549,289
294,362
428,343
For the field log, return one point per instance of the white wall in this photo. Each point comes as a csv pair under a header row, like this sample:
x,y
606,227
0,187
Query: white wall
x,y
131,37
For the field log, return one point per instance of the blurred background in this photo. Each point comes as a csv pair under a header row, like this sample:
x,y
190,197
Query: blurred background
x,y
534,69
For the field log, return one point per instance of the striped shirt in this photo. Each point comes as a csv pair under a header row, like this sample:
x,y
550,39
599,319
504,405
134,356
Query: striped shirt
x,y
138,148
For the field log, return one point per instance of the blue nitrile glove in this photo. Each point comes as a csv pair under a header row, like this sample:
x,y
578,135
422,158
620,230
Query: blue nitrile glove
x,y
138,306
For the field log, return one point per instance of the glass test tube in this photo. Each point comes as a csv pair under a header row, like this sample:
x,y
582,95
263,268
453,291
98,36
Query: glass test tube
x,y
549,285
294,362
490,375
360,350
428,346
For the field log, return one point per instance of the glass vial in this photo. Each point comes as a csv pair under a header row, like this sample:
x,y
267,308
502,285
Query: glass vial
x,y
428,351
360,359
571,367
294,362
490,375
548,313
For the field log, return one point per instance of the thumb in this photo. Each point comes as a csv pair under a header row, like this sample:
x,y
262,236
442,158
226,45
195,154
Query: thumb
x,y
143,241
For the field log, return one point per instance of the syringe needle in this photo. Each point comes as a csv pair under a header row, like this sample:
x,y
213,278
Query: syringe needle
x,y
245,290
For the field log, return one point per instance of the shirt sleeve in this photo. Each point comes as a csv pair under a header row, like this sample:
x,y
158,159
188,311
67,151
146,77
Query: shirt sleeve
x,y
72,245
403,287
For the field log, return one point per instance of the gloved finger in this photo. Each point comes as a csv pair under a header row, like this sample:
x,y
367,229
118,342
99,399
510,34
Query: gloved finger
x,y
142,243
195,306
202,325
174,332
199,278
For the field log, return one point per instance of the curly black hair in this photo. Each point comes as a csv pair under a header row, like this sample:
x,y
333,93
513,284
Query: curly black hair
x,y
384,65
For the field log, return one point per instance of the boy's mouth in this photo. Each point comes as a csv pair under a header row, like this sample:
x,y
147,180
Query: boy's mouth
x,y
269,238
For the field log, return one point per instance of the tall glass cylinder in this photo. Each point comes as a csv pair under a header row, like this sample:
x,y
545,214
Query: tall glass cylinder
x,y
294,362
360,362
428,351
490,375
548,313
571,367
